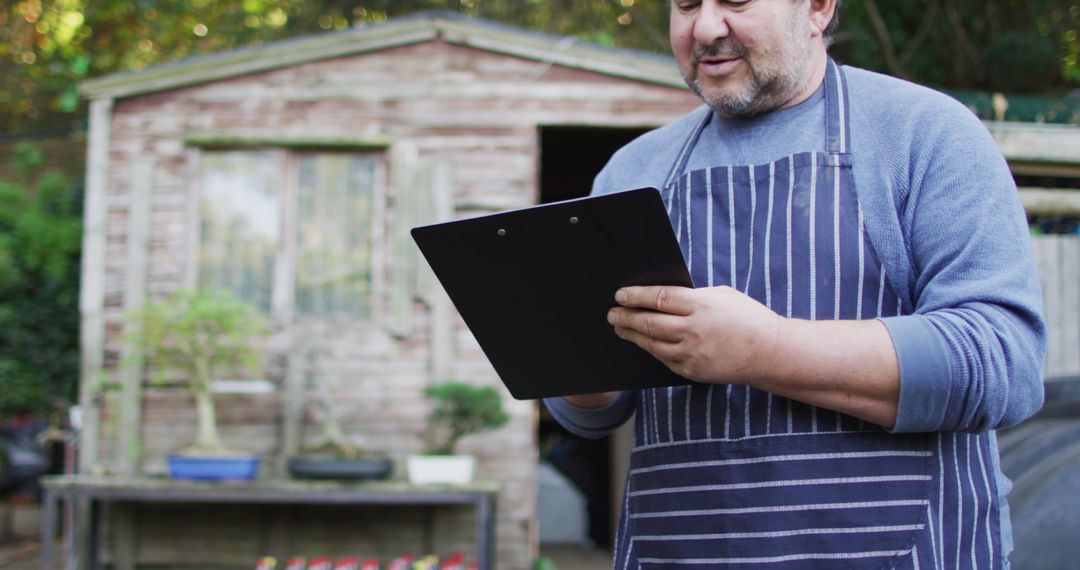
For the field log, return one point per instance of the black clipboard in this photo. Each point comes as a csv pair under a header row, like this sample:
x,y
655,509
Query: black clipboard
x,y
534,286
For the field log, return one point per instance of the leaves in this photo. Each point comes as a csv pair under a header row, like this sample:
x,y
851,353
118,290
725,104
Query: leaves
x,y
990,45
40,236
462,409
48,46
202,334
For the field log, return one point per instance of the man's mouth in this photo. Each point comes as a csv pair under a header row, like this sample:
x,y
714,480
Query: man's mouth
x,y
715,66
716,59
719,58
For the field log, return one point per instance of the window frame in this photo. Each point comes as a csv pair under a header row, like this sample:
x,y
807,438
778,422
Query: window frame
x,y
286,157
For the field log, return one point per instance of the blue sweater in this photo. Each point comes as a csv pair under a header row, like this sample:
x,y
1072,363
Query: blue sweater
x,y
945,218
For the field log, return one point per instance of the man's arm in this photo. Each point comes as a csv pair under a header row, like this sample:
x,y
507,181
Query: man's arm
x,y
972,349
593,415
719,335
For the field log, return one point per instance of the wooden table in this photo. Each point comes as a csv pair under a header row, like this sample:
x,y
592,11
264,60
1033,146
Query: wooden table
x,y
102,490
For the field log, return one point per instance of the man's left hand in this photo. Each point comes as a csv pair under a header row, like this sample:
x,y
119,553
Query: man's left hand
x,y
715,335
721,336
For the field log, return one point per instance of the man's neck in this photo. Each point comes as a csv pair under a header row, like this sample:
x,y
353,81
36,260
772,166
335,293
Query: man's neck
x,y
819,58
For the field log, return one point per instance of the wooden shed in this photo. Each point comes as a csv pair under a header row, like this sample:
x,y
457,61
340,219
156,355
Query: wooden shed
x,y
290,174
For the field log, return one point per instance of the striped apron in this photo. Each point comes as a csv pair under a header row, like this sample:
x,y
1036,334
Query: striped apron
x,y
725,475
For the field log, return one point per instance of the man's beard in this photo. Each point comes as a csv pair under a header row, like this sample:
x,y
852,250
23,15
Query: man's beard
x,y
765,90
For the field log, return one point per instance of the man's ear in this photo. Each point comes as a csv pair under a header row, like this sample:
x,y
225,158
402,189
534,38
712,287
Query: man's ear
x,y
821,13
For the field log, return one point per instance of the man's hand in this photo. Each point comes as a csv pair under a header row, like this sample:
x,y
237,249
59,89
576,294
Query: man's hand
x,y
719,335
715,335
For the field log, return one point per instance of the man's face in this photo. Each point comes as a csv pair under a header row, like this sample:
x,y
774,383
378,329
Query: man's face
x,y
744,57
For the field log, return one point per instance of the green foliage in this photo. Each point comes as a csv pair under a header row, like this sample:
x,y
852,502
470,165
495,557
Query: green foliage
x,y
1012,46
40,240
462,409
544,563
48,46
201,335
18,395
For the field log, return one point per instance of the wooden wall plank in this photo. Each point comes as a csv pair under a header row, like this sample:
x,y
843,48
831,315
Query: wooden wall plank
x,y
443,319
284,287
1050,201
131,372
92,303
379,245
191,230
405,181
1058,259
293,401
1069,333
126,536
1034,142
92,287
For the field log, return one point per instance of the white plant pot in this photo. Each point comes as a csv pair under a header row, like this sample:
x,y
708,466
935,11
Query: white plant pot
x,y
441,469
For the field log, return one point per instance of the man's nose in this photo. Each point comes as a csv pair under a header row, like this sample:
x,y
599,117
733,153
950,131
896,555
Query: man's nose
x,y
712,23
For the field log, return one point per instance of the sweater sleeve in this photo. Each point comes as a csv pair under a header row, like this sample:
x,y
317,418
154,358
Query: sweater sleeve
x,y
593,422
971,354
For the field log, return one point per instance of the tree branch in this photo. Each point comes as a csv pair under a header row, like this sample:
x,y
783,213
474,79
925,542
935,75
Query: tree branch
x,y
929,17
960,32
881,31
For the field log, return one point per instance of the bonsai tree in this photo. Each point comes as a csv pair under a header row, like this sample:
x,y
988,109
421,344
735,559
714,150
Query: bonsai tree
x,y
332,439
332,455
202,335
462,409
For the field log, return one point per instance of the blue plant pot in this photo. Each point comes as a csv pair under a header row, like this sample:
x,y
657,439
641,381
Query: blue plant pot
x,y
213,468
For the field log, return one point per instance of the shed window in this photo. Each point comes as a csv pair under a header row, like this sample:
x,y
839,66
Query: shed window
x,y
288,231
333,245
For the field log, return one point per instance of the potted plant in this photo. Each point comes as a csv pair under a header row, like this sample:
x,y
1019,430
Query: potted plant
x,y
460,409
196,337
332,455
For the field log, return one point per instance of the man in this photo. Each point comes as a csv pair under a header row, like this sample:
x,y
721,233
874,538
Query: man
x,y
866,312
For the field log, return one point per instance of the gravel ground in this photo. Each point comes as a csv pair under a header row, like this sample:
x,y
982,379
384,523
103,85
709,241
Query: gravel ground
x,y
21,555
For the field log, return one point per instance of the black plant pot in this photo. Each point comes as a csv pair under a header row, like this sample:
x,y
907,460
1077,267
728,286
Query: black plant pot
x,y
352,469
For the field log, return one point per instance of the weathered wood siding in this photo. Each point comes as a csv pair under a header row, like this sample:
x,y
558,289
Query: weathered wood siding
x,y
475,113
1058,257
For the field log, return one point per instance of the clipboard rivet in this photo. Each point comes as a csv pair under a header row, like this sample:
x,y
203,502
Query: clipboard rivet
x,y
573,219
501,232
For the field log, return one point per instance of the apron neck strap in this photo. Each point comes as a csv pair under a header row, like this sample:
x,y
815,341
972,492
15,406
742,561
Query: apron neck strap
x,y
679,164
837,126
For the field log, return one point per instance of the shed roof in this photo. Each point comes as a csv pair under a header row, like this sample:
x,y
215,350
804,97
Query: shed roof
x,y
417,28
